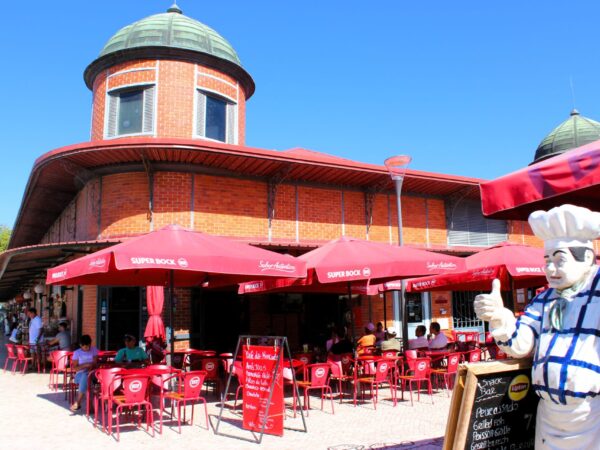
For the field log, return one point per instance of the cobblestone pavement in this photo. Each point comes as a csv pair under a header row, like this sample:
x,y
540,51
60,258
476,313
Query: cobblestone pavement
x,y
34,417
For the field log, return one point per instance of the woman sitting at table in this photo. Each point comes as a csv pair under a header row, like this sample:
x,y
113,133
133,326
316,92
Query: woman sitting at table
x,y
367,341
62,339
83,360
131,352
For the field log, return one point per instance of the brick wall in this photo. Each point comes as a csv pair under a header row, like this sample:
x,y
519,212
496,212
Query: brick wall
x,y
90,302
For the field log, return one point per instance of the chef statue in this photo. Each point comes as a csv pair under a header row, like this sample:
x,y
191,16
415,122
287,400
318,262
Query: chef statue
x,y
560,329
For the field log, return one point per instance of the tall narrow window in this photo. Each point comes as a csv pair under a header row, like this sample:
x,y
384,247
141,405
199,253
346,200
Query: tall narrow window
x,y
130,111
216,118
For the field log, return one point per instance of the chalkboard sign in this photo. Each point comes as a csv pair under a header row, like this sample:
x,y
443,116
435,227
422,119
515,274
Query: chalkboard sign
x,y
493,407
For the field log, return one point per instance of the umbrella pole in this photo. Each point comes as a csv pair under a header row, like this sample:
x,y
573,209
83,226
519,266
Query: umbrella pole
x,y
385,308
171,314
351,313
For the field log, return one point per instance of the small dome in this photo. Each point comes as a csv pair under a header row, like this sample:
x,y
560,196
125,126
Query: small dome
x,y
171,29
573,132
170,35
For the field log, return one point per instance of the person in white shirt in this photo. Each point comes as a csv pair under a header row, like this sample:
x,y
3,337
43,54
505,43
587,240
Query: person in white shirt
x,y
559,329
36,328
437,339
420,341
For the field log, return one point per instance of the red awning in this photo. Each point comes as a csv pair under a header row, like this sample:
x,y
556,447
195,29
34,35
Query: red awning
x,y
573,177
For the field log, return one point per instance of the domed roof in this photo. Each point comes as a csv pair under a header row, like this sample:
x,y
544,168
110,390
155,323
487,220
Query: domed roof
x,y
573,132
170,35
171,29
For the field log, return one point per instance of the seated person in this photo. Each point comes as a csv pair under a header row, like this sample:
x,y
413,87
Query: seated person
x,y
155,349
420,341
343,345
437,339
83,360
62,339
391,343
367,340
379,334
131,352
15,334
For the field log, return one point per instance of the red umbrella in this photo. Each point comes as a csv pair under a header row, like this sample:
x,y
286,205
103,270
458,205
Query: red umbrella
x,y
515,265
573,177
349,260
175,257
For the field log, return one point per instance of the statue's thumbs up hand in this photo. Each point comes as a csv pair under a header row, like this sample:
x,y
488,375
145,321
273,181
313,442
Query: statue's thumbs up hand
x,y
489,305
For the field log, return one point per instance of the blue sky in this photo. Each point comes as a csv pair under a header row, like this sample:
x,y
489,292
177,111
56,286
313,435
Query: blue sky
x,y
466,88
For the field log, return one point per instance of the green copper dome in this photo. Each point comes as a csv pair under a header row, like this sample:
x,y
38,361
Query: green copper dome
x,y
173,36
573,132
171,29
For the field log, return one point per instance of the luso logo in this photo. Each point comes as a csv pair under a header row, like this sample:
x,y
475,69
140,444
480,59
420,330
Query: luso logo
x,y
320,372
210,366
194,382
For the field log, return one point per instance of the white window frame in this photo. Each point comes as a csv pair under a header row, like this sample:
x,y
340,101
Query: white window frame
x,y
231,119
148,110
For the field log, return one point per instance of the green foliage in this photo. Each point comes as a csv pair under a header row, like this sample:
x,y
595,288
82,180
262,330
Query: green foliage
x,y
4,237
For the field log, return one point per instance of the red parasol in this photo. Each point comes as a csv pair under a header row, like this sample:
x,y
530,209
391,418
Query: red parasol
x,y
349,260
175,257
573,177
515,265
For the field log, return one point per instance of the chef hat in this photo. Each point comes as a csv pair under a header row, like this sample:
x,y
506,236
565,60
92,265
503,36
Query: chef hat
x,y
566,226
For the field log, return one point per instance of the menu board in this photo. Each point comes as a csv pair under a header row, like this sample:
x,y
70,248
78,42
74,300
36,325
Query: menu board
x,y
259,362
493,407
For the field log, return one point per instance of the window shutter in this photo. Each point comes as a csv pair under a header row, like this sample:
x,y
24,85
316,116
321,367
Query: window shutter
x,y
111,123
148,124
200,114
468,227
231,123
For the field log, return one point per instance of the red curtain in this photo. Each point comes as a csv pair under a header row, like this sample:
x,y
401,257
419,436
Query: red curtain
x,y
155,298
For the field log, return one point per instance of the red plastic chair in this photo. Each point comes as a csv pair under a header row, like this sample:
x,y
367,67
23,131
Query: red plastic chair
x,y
449,372
11,355
318,380
135,394
239,373
341,372
108,385
421,373
472,356
211,367
23,358
160,383
190,389
60,365
382,376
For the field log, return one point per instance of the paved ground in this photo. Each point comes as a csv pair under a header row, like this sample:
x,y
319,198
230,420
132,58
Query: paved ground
x,y
33,417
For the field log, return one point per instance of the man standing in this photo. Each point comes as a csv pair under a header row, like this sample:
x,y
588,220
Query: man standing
x,y
35,334
560,328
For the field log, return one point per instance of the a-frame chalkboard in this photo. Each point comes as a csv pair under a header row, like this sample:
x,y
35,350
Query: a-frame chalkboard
x,y
493,407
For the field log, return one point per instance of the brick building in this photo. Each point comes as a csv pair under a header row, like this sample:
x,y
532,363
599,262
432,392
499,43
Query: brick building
x,y
168,146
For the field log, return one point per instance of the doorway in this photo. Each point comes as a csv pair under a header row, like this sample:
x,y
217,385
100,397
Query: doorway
x,y
120,313
418,311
